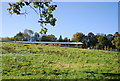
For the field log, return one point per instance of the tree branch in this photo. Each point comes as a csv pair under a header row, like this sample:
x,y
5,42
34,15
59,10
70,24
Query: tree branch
x,y
39,12
33,9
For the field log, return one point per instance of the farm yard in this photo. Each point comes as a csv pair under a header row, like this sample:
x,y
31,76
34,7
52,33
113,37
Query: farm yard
x,y
59,41
31,61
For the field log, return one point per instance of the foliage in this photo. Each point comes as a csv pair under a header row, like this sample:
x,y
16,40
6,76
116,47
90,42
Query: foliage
x,y
30,61
26,37
29,32
51,38
98,41
102,42
66,39
60,39
110,37
44,12
116,41
90,40
19,36
36,36
7,39
78,37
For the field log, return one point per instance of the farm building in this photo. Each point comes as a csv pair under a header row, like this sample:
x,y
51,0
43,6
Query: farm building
x,y
61,44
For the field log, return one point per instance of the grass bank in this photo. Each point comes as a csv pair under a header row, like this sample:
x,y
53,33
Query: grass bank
x,y
30,61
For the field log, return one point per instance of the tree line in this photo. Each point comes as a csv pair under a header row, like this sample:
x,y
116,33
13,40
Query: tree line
x,y
98,41
30,35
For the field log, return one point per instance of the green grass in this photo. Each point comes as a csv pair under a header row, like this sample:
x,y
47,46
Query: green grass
x,y
30,61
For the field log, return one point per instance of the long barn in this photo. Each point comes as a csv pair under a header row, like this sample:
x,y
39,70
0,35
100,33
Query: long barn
x,y
61,44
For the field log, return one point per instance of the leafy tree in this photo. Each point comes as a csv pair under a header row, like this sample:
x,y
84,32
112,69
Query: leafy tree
x,y
36,36
102,42
50,38
90,40
19,36
69,40
90,34
78,37
60,39
85,42
44,38
66,39
116,34
116,40
28,34
11,38
7,39
26,37
110,37
44,12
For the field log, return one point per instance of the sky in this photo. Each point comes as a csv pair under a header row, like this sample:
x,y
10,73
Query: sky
x,y
72,17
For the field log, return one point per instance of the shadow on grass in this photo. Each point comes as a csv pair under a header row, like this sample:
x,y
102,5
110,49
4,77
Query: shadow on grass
x,y
106,74
111,74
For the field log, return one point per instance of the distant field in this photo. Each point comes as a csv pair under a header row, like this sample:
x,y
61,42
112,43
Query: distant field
x,y
30,61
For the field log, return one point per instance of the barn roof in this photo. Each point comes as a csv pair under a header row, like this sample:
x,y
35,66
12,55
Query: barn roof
x,y
49,42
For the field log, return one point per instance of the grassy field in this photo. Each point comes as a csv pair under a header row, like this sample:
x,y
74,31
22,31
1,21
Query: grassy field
x,y
30,61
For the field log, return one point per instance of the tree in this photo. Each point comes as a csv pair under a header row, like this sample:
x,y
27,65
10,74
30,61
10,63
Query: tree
x,y
116,40
7,39
50,38
116,34
110,37
28,34
60,39
19,36
44,38
36,36
78,37
90,34
66,39
102,42
26,37
90,40
69,40
44,12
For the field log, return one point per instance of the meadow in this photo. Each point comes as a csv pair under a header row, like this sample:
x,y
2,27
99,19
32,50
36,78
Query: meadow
x,y
31,61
